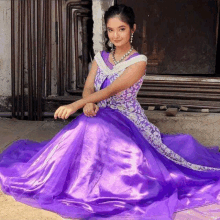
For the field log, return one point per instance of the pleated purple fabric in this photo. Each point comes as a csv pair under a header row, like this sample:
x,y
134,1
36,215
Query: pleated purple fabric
x,y
104,168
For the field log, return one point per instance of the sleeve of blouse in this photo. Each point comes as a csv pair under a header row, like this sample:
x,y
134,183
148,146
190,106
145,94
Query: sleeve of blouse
x,y
98,54
145,58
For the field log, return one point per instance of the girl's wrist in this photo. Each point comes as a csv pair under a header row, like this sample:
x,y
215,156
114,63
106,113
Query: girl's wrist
x,y
81,103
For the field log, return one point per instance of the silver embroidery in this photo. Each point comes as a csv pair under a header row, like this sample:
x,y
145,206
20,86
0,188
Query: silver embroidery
x,y
127,104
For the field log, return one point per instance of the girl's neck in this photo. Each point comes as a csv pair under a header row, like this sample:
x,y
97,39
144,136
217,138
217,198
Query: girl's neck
x,y
122,49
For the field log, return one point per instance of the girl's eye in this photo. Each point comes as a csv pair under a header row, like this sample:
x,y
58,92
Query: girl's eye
x,y
120,30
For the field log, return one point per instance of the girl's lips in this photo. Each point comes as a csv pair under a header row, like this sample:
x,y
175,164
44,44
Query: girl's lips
x,y
117,41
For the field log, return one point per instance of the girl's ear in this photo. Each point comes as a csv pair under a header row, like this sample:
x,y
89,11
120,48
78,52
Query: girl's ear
x,y
134,27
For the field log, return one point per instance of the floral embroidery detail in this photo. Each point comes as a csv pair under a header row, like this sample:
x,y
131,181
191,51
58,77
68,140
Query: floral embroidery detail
x,y
126,102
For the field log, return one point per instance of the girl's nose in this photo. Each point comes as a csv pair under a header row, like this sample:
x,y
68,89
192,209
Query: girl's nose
x,y
116,34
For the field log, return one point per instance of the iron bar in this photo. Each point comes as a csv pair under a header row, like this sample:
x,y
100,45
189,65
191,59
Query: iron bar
x,y
80,18
48,46
61,70
85,49
22,56
57,48
71,6
76,39
68,34
34,66
19,58
75,15
13,56
39,62
44,4
76,46
29,57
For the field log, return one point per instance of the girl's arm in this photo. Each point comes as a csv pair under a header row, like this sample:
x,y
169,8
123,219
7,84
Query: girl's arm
x,y
130,76
90,109
89,84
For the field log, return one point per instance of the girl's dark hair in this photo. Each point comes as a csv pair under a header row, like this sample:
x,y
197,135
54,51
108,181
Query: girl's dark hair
x,y
125,13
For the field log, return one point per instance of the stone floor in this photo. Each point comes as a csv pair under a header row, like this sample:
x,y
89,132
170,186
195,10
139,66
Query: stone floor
x,y
204,127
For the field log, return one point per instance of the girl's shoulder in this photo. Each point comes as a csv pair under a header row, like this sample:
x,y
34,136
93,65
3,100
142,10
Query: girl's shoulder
x,y
103,53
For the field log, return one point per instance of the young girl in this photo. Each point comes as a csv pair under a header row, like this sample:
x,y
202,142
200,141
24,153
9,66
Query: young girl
x,y
111,162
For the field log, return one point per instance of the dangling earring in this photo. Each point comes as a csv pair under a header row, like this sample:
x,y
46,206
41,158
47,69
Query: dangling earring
x,y
110,44
132,37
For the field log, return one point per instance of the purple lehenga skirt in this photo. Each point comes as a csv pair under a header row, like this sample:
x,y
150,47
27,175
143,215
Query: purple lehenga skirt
x,y
103,168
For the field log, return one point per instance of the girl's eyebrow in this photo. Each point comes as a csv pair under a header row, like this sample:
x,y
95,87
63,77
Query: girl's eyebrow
x,y
118,27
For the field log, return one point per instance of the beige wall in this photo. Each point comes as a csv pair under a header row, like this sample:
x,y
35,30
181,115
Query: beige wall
x,y
99,7
5,48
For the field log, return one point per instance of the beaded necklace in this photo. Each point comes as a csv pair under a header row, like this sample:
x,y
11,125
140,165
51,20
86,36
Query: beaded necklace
x,y
113,55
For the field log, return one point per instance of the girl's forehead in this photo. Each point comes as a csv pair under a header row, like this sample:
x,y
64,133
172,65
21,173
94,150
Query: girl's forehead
x,y
115,22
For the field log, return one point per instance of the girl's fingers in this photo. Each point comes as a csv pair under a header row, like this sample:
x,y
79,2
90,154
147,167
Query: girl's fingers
x,y
91,113
90,110
60,113
56,113
96,108
65,111
85,112
64,114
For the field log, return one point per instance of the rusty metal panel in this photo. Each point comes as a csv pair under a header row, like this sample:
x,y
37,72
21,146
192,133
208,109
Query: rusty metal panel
x,y
34,26
180,37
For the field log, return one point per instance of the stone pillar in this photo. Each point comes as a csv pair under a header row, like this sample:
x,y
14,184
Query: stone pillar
x,y
98,8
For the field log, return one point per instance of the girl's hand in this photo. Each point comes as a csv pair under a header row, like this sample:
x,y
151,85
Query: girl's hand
x,y
90,109
65,111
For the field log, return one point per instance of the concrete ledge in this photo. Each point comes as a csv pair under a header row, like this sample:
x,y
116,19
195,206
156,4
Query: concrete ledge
x,y
205,127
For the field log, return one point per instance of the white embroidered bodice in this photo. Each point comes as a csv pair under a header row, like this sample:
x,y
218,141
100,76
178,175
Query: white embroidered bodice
x,y
126,102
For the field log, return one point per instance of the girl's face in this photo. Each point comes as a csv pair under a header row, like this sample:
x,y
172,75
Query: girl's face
x,y
119,32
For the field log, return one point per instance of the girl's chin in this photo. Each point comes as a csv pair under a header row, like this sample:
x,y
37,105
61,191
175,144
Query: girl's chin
x,y
119,43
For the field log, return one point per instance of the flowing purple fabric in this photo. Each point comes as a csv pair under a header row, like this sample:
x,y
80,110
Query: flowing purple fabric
x,y
104,168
